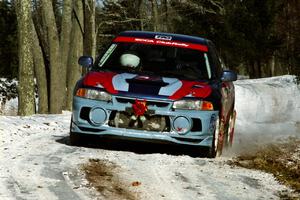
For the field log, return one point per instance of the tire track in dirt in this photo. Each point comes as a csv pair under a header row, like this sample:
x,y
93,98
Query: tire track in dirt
x,y
103,176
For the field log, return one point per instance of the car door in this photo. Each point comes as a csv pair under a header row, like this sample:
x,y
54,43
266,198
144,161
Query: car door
x,y
227,88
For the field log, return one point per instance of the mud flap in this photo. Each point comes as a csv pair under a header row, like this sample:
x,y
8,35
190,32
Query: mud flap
x,y
231,131
221,138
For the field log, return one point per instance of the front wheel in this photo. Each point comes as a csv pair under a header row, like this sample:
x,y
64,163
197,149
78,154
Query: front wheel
x,y
76,139
217,146
230,129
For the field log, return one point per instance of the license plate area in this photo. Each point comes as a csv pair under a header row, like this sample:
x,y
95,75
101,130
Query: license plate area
x,y
148,122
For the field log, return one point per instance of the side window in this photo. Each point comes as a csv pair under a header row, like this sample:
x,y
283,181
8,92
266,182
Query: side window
x,y
215,59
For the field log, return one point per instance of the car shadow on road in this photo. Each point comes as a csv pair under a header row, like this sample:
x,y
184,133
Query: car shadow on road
x,y
139,147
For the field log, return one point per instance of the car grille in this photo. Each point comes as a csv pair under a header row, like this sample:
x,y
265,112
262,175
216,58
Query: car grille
x,y
160,104
149,122
127,120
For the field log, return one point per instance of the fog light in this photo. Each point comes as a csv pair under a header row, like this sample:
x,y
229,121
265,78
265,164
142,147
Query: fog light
x,y
97,116
181,125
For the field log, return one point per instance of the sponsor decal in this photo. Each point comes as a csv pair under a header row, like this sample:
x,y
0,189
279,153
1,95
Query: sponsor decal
x,y
174,84
174,88
178,44
98,79
107,54
119,81
163,37
196,89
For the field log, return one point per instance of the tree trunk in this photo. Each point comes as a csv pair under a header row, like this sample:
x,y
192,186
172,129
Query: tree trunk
x,y
258,69
65,36
165,21
155,15
76,49
26,71
41,31
40,73
251,69
272,65
57,86
141,13
89,28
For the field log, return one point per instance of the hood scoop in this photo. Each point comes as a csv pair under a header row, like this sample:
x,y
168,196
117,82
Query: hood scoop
x,y
146,80
146,85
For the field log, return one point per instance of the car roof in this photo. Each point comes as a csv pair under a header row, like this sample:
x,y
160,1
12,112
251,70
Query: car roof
x,y
174,37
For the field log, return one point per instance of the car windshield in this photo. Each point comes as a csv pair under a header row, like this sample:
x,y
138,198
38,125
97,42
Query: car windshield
x,y
167,61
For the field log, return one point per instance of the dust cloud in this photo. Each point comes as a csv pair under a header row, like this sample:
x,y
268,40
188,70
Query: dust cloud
x,y
268,111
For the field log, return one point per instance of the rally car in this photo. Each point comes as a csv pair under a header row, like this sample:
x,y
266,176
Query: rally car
x,y
158,87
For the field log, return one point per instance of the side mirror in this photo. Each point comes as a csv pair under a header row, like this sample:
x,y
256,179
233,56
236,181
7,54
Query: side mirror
x,y
85,61
228,76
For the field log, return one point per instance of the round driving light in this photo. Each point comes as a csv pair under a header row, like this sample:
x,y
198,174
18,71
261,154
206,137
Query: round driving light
x,y
97,116
181,125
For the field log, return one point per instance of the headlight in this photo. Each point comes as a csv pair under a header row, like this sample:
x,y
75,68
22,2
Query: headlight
x,y
193,105
93,94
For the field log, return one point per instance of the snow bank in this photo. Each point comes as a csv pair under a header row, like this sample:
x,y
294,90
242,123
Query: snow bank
x,y
267,108
8,97
10,107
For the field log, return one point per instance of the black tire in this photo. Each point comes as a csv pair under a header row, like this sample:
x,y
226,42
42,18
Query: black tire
x,y
76,139
226,136
229,128
215,149
211,152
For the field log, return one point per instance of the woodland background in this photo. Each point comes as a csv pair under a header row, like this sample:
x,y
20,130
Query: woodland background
x,y
41,40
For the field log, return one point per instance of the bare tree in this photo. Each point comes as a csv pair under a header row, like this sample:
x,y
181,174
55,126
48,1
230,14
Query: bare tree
x,y
165,16
89,28
26,69
155,17
141,7
40,73
57,89
65,35
76,49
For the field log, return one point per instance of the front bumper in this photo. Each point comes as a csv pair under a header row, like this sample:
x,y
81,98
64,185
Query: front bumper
x,y
95,117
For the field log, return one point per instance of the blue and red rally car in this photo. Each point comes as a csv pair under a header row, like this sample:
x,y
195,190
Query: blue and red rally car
x,y
157,87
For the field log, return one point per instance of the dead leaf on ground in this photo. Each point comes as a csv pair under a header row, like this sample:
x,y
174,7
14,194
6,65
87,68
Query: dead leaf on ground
x,y
136,183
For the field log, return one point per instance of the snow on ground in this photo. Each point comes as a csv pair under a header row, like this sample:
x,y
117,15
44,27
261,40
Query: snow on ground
x,y
38,163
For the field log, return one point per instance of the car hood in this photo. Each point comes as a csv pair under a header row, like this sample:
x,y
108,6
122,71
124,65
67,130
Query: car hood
x,y
141,85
